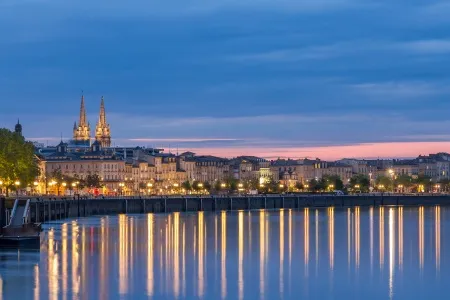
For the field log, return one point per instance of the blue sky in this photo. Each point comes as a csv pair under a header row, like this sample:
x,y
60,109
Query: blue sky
x,y
228,73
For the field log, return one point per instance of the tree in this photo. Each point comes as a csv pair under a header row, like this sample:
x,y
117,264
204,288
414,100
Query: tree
x,y
316,185
18,163
93,181
422,183
299,185
404,181
333,182
196,186
360,180
253,184
445,184
384,183
207,186
232,183
186,185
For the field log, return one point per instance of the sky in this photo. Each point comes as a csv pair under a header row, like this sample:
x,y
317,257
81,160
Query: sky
x,y
274,78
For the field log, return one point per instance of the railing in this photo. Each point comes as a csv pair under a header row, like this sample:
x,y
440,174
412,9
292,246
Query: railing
x,y
16,203
26,213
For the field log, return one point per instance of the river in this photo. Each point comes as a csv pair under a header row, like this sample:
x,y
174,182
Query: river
x,y
328,253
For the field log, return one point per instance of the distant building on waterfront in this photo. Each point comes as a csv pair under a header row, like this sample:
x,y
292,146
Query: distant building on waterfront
x,y
82,130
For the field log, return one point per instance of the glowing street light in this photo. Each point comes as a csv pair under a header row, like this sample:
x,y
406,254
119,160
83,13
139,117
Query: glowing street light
x,y
35,183
200,185
64,184
281,186
223,185
240,185
176,185
149,184
17,183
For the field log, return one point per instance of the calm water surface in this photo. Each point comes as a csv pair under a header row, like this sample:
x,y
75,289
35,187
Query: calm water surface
x,y
371,253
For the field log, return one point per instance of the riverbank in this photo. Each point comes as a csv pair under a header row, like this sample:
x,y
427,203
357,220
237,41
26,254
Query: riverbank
x,y
48,210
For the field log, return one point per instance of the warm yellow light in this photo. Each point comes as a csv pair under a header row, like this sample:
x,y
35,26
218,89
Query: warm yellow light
x,y
1,182
223,185
74,184
261,185
35,183
200,184
64,184
149,184
175,184
240,185
306,185
17,182
391,171
281,185
357,186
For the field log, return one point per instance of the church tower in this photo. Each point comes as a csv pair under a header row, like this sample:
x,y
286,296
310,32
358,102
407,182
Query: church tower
x,y
82,131
102,130
18,128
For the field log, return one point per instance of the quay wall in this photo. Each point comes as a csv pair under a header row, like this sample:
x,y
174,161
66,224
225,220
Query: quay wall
x,y
49,210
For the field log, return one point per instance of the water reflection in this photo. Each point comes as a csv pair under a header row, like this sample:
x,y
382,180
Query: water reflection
x,y
176,256
421,236
150,247
241,255
331,236
437,237
262,253
223,253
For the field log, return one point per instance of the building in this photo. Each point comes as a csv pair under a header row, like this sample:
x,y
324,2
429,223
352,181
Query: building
x,y
102,130
210,168
18,128
405,168
109,167
250,167
82,130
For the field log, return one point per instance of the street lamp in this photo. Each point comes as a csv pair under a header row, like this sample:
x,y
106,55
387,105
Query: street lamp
x,y
17,183
223,185
149,184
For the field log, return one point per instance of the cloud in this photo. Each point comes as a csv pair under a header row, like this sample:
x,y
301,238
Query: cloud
x,y
437,46
407,90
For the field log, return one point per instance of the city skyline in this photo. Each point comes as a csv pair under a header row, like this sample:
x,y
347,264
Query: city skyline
x,y
276,85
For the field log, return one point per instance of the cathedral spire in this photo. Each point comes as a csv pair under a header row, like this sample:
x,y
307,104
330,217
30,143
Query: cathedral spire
x,y
82,132
102,130
102,118
82,113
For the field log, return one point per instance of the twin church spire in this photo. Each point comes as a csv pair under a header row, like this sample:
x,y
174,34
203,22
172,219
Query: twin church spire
x,y
82,131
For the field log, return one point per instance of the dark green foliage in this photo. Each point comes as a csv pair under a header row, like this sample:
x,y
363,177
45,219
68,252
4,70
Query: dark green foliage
x,y
17,160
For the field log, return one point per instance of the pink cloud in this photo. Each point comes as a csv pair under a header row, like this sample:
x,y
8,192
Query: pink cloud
x,y
372,150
